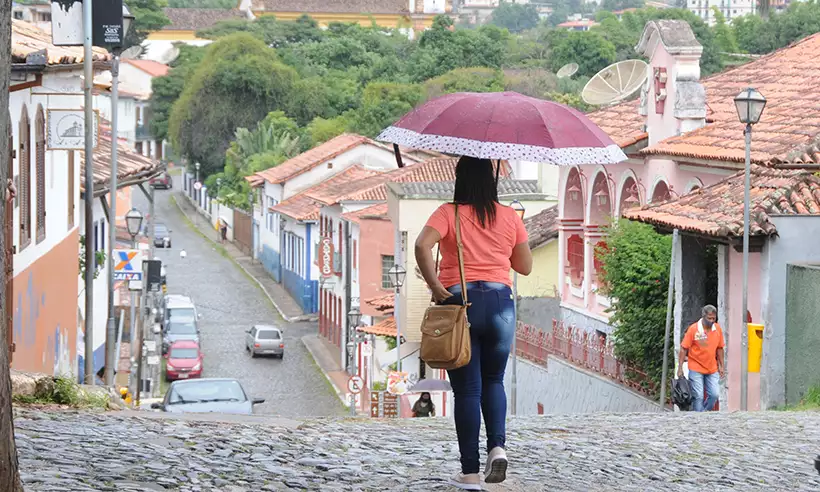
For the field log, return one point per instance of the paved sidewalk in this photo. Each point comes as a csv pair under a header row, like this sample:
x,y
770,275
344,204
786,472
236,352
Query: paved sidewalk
x,y
320,349
279,297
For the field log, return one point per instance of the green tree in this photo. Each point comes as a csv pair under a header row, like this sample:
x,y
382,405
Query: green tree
x,y
614,5
382,104
321,130
202,4
476,79
167,89
636,274
724,35
515,17
324,97
759,36
239,81
588,49
148,17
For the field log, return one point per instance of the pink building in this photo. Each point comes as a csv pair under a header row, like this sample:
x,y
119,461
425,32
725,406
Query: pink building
x,y
685,147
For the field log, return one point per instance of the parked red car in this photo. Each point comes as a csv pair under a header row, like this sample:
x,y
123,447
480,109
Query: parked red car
x,y
163,181
183,361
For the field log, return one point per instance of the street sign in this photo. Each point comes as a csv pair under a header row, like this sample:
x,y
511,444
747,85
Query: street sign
x,y
152,360
355,384
326,256
366,349
197,186
66,129
151,345
106,31
127,264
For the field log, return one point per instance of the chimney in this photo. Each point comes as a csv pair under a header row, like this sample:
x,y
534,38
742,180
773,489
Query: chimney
x,y
673,99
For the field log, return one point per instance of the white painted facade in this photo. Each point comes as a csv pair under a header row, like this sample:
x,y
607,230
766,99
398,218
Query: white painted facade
x,y
731,9
100,288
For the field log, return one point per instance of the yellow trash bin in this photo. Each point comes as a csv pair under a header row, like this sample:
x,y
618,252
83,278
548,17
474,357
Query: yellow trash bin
x,y
755,346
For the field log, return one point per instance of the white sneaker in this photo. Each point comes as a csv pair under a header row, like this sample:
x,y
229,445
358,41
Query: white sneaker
x,y
471,481
496,469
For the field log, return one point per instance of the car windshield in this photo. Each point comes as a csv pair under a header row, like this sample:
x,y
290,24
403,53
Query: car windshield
x,y
184,353
182,313
268,335
206,391
182,327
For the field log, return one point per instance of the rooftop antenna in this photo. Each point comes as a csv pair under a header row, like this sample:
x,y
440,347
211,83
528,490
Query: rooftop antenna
x,y
567,70
132,53
615,83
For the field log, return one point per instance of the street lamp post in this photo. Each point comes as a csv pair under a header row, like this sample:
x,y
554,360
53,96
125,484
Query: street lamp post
x,y
354,317
133,224
110,330
397,274
518,207
750,104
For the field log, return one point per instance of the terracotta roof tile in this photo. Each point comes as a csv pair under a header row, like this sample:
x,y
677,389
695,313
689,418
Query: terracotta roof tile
x,y
27,39
384,328
382,303
542,226
334,6
789,130
621,122
717,210
307,204
131,166
151,67
378,212
312,158
194,19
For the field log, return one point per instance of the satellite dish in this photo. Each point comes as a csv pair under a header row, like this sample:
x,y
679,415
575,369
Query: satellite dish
x,y
615,83
567,70
132,53
169,56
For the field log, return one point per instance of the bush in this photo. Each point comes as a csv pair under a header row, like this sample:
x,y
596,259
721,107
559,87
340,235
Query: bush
x,y
636,275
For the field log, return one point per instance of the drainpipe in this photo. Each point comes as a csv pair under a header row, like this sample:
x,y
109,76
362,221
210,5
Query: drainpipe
x,y
348,283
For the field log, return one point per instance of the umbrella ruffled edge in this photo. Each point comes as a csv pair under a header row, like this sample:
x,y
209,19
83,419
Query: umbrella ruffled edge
x,y
569,156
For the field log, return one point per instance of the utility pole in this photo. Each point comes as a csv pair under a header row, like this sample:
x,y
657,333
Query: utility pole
x,y
88,70
110,329
9,472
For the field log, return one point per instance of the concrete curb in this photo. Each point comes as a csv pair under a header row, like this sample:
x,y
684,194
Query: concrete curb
x,y
289,319
339,393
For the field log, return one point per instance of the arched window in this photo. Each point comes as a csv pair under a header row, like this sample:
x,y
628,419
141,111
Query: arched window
x,y
575,260
24,192
40,157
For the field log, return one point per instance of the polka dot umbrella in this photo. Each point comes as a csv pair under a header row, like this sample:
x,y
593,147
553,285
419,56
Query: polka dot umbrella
x,y
504,125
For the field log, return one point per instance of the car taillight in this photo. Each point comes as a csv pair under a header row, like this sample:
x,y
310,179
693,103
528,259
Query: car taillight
x,y
256,345
281,345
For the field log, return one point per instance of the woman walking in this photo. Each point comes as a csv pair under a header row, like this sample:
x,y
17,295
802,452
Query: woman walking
x,y
493,241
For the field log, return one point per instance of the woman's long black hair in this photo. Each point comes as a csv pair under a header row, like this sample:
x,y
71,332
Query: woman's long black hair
x,y
476,186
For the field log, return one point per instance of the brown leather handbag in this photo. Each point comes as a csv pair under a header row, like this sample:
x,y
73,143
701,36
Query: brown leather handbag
x,y
445,330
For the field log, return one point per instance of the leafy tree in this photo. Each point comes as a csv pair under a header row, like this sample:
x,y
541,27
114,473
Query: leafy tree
x,y
202,4
588,49
167,89
724,35
148,17
238,82
636,274
614,5
325,97
382,104
531,82
515,17
477,79
321,130
756,35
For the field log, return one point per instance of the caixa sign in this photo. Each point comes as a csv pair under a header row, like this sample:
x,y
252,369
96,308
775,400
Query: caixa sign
x,y
326,256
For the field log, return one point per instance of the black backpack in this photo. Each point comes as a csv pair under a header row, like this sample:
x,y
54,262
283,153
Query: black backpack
x,y
681,393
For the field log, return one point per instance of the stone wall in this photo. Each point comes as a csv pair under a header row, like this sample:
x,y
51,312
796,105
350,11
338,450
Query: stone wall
x,y
561,387
539,311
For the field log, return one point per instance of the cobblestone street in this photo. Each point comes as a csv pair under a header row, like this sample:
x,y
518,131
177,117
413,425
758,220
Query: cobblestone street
x,y
628,452
230,303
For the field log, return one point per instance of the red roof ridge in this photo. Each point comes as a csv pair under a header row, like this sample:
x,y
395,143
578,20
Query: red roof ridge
x,y
312,158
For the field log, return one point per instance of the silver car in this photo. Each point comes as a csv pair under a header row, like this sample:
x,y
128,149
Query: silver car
x,y
265,340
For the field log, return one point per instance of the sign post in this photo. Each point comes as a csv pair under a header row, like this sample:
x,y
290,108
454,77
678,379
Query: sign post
x,y
127,265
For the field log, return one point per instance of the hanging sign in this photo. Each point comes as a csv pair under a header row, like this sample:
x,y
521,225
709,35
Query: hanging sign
x,y
326,256
66,129
107,21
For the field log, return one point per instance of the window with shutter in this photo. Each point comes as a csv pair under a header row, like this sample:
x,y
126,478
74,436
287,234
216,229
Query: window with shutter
x,y
24,161
71,177
40,142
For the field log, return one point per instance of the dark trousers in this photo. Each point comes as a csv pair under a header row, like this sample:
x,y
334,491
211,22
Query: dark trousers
x,y
478,387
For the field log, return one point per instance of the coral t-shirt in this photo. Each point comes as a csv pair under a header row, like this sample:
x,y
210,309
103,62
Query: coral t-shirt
x,y
703,344
486,251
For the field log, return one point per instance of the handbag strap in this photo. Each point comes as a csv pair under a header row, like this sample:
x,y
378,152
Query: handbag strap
x,y
461,259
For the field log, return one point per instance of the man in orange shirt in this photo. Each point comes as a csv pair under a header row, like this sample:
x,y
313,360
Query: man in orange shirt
x,y
703,343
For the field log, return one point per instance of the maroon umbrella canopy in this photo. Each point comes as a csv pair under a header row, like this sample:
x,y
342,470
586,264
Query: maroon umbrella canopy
x,y
504,125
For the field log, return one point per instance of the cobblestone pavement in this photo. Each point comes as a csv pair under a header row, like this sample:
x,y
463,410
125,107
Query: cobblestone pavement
x,y
230,303
596,452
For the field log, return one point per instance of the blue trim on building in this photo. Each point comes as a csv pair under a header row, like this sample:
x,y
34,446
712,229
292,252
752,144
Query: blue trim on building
x,y
99,362
270,259
303,290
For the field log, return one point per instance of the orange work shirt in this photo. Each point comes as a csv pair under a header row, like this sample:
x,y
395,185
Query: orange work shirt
x,y
703,347
486,251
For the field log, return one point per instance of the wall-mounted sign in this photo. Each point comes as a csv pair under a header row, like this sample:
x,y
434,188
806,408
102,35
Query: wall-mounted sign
x,y
66,129
107,32
67,22
326,256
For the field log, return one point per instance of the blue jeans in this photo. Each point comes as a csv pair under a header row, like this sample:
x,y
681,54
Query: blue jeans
x,y
697,381
478,387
